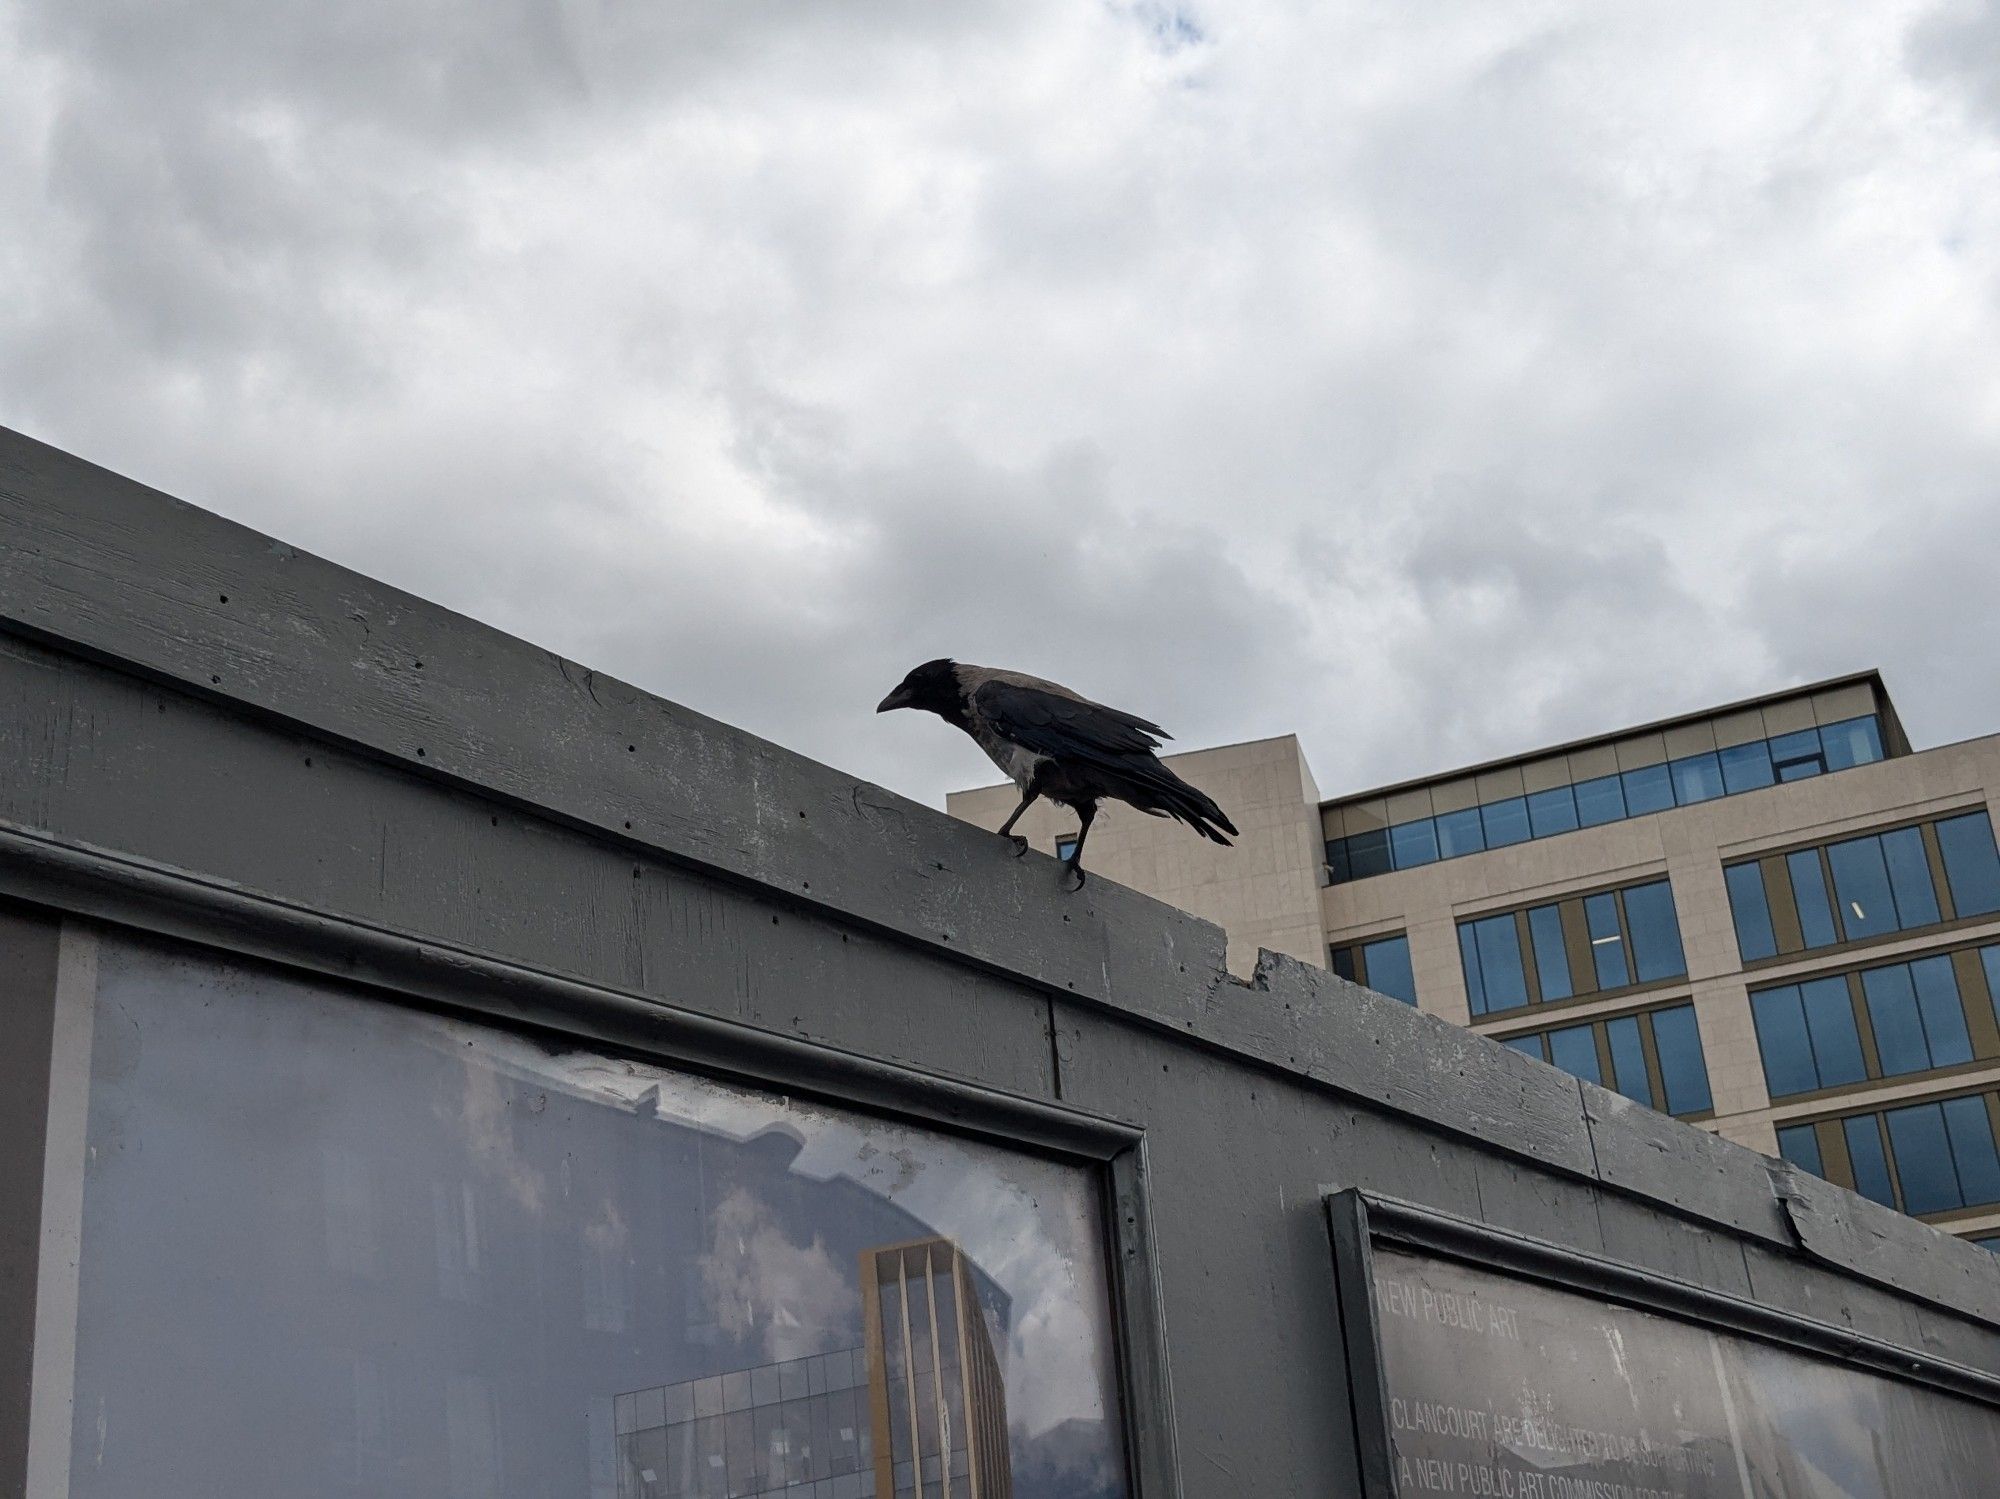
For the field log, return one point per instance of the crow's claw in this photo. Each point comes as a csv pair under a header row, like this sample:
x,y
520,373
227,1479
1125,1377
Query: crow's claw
x,y
1020,844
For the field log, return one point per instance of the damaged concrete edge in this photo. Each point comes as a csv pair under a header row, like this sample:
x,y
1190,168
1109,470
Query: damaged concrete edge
x,y
103,568
1370,1046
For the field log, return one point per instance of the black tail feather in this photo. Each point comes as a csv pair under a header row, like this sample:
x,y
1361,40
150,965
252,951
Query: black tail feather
x,y
1152,788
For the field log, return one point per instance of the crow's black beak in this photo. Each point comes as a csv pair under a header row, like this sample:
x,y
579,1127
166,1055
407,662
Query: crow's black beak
x,y
900,698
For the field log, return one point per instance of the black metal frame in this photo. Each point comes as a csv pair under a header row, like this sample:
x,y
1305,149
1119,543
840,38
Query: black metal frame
x,y
402,967
1358,1219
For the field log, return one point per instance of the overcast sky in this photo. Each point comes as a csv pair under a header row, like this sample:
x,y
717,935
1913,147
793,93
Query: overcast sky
x,y
1431,380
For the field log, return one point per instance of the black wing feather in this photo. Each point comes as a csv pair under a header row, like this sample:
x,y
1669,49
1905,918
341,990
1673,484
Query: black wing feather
x,y
1110,749
1051,724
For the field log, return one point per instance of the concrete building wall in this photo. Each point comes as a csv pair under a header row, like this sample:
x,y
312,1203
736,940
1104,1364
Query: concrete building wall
x,y
1263,890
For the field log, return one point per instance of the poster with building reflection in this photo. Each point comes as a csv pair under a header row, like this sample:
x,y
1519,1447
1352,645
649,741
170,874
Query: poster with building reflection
x,y
334,1246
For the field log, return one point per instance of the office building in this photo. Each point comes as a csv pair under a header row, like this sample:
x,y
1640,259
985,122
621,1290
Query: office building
x,y
1775,919
919,1408
935,1388
796,1428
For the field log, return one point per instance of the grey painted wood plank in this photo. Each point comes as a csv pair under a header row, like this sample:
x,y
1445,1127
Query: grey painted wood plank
x,y
1703,1175
132,575
1639,1234
1839,1227
1520,1198
1252,1324
124,765
1372,1047
1796,1286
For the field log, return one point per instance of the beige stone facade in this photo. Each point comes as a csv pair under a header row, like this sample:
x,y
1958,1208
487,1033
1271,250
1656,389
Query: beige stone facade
x,y
1274,889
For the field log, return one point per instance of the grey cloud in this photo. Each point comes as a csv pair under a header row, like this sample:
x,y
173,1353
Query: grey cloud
x,y
455,72
1921,581
1959,44
788,1299
1523,372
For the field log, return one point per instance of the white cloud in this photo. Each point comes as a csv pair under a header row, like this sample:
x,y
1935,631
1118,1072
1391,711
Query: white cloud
x,y
1431,381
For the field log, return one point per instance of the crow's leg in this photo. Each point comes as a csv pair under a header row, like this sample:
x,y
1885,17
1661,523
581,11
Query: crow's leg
x,y
1074,863
1007,827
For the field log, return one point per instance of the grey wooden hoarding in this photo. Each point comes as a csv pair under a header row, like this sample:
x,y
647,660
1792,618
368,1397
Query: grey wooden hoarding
x,y
207,734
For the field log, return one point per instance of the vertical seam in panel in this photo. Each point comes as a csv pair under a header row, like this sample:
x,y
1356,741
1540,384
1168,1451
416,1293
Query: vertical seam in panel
x,y
52,1392
1055,1053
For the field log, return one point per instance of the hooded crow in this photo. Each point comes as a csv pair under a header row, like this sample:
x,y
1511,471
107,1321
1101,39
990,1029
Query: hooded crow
x,y
1052,742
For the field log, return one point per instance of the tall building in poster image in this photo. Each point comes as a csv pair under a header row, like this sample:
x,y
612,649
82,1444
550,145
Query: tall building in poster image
x,y
938,1400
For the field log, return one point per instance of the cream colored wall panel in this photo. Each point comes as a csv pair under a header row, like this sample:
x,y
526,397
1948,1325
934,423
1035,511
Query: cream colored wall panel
x,y
1640,751
1689,739
1455,796
1545,775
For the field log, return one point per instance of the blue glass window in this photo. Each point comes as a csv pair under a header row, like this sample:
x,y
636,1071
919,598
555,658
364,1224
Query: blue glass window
x,y
1916,1014
1836,1043
1782,1041
1387,964
1612,798
1989,958
1892,1012
1551,957
1343,964
1943,1014
1864,1154
1656,932
1599,801
1505,822
1809,894
1607,946
1910,877
1552,811
1677,1040
1970,1130
1799,1144
1854,741
1745,767
1491,952
1574,1050
1697,778
1459,833
1648,790
1368,853
1971,865
1923,1159
1528,1046
1628,1059
1795,757
1861,880
1413,843
1752,912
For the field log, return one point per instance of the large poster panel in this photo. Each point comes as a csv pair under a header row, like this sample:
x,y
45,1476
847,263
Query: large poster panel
x,y
336,1247
1503,1388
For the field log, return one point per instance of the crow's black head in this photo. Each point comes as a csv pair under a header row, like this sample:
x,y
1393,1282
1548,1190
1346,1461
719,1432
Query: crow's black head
x,y
932,687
